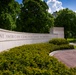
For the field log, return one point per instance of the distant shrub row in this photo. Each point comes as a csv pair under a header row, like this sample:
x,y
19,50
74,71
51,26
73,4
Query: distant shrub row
x,y
33,59
59,41
61,44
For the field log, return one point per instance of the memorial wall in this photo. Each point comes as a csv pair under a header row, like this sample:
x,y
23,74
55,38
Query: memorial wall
x,y
10,39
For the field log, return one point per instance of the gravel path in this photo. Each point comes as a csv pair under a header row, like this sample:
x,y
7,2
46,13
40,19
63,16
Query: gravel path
x,y
68,57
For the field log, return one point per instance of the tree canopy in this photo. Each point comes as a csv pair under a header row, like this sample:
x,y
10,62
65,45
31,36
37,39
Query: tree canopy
x,y
34,17
9,10
66,18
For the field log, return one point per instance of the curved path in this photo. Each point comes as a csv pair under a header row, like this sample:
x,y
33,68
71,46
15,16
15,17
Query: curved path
x,y
68,57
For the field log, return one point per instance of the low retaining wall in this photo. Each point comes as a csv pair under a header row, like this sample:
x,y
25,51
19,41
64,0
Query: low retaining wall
x,y
10,39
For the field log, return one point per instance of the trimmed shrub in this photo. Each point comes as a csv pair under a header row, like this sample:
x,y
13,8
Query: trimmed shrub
x,y
60,44
32,59
64,47
58,41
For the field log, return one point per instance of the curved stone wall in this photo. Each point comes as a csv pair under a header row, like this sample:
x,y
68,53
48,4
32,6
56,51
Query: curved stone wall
x,y
10,39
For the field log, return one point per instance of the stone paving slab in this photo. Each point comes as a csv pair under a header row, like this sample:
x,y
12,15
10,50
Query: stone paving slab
x,y
68,57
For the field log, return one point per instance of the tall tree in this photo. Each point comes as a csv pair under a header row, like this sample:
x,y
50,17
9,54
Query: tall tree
x,y
34,17
8,13
66,18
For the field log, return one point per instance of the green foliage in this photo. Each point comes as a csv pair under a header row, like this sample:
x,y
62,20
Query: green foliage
x,y
71,40
74,47
32,59
7,21
60,44
9,10
34,17
66,18
30,16
59,41
66,46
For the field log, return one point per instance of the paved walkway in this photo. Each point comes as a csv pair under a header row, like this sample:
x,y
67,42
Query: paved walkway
x,y
68,57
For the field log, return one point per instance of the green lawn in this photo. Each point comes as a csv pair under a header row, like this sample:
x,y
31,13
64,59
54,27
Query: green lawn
x,y
72,40
75,47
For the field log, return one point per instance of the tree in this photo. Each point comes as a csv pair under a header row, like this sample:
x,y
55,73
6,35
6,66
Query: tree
x,y
9,10
66,18
34,17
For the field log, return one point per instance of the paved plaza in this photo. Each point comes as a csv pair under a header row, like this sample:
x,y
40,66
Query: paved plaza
x,y
68,57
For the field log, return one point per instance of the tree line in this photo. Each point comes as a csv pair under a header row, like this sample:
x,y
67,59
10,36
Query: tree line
x,y
33,16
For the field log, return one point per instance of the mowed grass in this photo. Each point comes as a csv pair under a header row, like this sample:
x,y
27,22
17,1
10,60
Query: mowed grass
x,y
75,47
73,40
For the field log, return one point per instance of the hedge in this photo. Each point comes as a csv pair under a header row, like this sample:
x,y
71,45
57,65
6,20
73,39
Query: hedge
x,y
59,41
32,59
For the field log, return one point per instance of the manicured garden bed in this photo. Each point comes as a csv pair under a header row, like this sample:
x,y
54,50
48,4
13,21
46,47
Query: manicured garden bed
x,y
33,59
